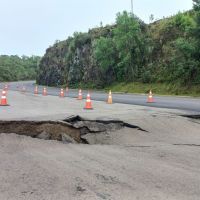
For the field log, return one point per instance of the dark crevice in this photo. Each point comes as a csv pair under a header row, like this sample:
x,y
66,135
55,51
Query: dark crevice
x,y
194,145
75,119
84,141
192,116
137,146
133,126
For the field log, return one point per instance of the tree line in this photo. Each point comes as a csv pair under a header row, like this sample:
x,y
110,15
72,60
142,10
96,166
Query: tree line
x,y
15,68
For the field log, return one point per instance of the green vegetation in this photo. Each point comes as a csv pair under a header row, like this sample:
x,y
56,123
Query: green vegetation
x,y
163,55
157,88
14,68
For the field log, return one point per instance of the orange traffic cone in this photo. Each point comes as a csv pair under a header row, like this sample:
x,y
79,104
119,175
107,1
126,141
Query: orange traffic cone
x,y
110,98
36,90
88,104
3,99
150,97
44,91
62,93
80,96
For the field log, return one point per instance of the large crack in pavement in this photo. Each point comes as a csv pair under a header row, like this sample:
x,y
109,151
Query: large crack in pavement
x,y
74,129
190,145
195,118
192,116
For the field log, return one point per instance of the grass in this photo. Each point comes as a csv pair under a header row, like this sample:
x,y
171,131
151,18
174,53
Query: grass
x,y
142,88
157,88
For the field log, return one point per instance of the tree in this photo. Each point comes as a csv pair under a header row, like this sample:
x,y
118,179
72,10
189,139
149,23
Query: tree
x,y
197,28
151,18
105,53
129,42
196,4
14,68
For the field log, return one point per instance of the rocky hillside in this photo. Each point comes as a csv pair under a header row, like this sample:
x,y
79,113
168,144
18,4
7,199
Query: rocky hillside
x,y
72,61
129,51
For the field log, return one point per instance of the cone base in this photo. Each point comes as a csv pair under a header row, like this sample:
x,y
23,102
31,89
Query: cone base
x,y
88,108
152,101
4,105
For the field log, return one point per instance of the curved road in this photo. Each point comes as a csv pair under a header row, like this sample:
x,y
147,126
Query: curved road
x,y
181,103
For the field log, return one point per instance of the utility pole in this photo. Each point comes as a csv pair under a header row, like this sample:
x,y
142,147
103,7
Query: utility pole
x,y
132,7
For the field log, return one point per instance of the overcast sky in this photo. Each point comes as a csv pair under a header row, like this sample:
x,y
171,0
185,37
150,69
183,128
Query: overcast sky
x,y
28,27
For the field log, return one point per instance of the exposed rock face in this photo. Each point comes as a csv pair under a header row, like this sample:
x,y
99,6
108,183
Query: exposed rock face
x,y
53,65
72,61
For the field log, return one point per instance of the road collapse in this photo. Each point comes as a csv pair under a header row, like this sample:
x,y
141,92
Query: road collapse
x,y
73,129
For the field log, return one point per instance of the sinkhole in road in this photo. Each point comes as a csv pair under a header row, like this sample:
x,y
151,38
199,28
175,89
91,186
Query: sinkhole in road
x,y
73,129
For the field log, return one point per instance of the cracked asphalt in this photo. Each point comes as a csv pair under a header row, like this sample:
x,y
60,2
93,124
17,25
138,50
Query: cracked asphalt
x,y
160,164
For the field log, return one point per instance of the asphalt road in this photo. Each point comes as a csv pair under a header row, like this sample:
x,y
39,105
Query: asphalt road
x,y
126,164
181,103
161,163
